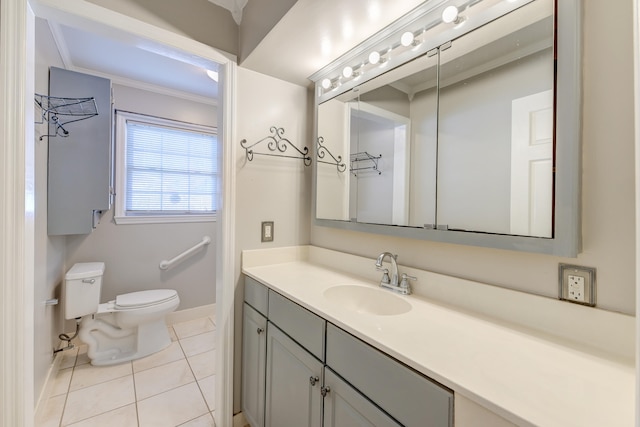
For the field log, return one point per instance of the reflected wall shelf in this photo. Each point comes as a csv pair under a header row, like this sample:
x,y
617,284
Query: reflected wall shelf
x,y
364,161
60,111
321,151
276,145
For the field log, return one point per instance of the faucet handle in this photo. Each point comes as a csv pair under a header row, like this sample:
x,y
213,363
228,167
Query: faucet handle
x,y
385,275
405,278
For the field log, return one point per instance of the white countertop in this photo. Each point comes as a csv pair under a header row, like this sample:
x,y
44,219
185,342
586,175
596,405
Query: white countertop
x,y
523,377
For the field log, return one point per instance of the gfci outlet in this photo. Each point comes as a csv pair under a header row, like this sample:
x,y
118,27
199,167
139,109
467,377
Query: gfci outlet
x,y
576,288
577,284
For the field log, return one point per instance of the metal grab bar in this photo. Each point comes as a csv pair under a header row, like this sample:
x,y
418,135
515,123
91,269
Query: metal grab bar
x,y
165,265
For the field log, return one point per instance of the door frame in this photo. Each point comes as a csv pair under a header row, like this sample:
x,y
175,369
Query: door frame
x,y
17,73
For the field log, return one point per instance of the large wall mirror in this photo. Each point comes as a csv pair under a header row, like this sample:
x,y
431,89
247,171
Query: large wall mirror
x,y
459,123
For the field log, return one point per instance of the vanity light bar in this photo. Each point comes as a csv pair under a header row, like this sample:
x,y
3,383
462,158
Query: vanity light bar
x,y
444,14
408,39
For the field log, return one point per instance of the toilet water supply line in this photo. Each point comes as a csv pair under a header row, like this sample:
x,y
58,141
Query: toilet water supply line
x,y
165,265
67,338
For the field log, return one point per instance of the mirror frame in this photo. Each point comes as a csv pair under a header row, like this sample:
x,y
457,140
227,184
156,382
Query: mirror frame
x,y
567,201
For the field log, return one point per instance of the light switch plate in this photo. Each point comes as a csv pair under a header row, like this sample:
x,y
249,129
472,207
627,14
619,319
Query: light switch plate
x,y
577,284
267,231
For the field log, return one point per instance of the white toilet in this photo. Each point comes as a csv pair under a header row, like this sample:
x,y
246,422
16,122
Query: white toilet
x,y
130,327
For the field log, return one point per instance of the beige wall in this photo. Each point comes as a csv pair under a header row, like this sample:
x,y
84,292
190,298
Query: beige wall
x,y
607,187
269,188
258,18
199,20
132,252
49,250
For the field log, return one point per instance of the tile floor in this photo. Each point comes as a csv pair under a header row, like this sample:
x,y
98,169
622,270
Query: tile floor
x,y
174,387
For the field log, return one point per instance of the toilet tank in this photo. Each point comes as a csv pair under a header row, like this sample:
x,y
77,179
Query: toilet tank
x,y
83,283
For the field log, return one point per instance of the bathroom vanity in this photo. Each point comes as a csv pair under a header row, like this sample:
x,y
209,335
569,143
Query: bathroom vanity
x,y
316,371
323,344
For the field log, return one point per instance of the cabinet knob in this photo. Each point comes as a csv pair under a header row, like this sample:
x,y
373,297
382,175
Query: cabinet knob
x,y
324,390
313,380
260,330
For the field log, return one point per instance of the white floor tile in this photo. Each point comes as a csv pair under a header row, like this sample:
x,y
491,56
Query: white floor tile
x,y
203,364
61,382
68,358
193,327
208,388
203,421
172,334
169,354
172,408
83,357
165,384
52,412
162,378
127,416
199,343
88,375
98,399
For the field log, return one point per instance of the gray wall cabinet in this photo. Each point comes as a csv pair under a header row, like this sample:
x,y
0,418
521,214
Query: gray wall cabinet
x,y
80,164
316,374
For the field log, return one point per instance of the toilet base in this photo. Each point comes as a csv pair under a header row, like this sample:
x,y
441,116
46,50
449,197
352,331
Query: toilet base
x,y
109,345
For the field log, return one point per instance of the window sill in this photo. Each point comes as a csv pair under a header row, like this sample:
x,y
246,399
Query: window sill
x,y
123,220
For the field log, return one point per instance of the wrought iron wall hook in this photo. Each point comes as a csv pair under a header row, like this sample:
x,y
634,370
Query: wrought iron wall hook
x,y
276,144
370,162
321,151
60,111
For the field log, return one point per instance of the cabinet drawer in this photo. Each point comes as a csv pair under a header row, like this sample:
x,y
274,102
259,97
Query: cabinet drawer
x,y
256,295
409,397
299,323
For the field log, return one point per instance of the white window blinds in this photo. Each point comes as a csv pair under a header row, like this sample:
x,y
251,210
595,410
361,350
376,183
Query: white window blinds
x,y
169,170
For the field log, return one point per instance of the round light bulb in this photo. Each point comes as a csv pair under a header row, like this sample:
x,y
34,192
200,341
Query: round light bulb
x,y
407,39
374,57
449,14
347,72
326,84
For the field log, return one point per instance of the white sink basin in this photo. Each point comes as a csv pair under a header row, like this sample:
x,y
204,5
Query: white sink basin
x,y
364,299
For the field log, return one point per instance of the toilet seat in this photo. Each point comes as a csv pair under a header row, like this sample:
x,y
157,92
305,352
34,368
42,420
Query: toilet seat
x,y
142,299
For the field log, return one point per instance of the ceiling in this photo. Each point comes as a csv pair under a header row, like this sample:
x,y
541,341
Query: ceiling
x,y
308,37
129,65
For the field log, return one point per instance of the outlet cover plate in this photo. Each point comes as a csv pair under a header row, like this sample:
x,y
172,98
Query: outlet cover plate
x,y
588,276
267,231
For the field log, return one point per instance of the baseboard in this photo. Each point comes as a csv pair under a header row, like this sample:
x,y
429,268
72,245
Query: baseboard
x,y
191,314
239,420
47,388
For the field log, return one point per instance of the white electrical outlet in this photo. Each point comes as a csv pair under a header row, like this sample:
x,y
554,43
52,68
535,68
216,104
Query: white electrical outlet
x,y
577,284
576,288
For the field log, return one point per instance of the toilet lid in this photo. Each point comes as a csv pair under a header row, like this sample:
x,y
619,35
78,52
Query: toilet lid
x,y
145,298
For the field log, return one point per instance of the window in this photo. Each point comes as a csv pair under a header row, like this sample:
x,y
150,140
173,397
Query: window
x,y
166,171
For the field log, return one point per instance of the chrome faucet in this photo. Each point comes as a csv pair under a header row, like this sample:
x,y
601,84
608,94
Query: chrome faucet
x,y
391,282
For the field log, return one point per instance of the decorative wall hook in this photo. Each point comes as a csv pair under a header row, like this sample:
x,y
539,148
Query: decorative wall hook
x,y
364,161
61,111
321,151
276,144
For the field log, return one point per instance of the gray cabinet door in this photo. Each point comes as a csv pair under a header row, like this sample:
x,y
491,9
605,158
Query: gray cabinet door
x,y
294,379
345,407
254,360
80,163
